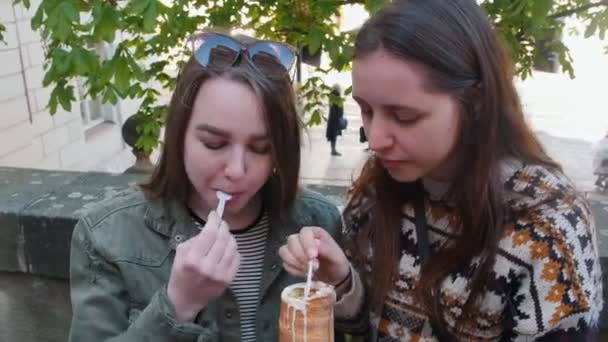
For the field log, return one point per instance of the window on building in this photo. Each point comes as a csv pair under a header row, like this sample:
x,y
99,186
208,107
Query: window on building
x,y
93,112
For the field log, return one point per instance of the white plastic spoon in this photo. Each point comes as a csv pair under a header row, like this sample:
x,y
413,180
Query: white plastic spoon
x,y
222,197
308,280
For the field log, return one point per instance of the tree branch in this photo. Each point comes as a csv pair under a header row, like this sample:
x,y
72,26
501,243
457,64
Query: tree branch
x,y
578,9
352,2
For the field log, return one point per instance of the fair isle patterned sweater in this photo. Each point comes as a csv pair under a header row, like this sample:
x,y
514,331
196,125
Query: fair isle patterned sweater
x,y
546,280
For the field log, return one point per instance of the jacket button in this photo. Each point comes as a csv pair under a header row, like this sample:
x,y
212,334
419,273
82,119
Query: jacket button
x,y
179,238
273,267
228,314
266,326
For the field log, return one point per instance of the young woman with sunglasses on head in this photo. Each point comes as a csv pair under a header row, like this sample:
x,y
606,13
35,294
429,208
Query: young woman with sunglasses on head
x,y
461,227
159,264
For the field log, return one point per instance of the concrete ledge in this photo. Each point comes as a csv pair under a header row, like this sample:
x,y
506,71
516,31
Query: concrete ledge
x,y
38,210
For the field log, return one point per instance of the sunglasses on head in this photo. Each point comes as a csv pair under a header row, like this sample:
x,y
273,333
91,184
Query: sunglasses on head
x,y
218,51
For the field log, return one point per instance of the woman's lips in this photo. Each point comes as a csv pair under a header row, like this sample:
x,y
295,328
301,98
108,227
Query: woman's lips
x,y
391,164
234,196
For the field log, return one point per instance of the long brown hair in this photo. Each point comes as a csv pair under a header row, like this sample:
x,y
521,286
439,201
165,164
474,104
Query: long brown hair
x,y
169,179
463,57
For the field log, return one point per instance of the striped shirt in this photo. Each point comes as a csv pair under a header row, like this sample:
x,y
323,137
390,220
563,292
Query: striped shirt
x,y
251,243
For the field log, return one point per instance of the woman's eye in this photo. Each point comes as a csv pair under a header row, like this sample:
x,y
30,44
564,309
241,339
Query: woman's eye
x,y
261,149
406,120
213,146
365,110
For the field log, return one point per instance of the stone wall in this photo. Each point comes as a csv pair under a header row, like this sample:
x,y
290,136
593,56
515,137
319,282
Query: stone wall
x,y
29,135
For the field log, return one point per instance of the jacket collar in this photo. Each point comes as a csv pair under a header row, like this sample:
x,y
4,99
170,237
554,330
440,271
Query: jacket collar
x,y
171,218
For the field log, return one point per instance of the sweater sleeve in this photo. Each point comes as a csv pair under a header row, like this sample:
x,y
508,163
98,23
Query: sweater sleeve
x,y
558,291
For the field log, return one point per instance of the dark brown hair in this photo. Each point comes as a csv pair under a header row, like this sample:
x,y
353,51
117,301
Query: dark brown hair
x,y
462,56
169,179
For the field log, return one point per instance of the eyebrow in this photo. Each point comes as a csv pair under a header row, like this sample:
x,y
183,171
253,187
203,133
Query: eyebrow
x,y
359,100
394,107
225,134
405,108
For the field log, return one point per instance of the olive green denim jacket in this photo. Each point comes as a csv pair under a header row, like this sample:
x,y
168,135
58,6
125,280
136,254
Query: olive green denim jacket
x,y
121,260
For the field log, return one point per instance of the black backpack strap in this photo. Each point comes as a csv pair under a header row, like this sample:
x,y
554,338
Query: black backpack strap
x,y
422,234
424,248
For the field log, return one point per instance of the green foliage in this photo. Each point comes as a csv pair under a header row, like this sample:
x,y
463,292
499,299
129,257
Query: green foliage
x,y
148,42
531,28
2,30
317,94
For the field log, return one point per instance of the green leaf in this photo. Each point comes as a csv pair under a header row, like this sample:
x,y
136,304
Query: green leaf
x,y
63,61
158,66
517,7
109,96
590,30
122,76
334,51
60,65
151,93
309,106
61,19
37,18
105,23
137,7
2,29
314,39
565,60
59,25
150,16
66,97
541,8
49,78
53,101
62,31
136,70
61,95
106,71
135,91
348,91
70,12
25,3
79,61
315,118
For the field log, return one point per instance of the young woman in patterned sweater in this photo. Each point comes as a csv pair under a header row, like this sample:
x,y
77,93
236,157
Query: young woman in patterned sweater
x,y
460,227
